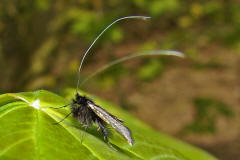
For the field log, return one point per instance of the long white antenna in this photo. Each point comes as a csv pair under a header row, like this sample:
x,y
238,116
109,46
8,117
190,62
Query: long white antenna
x,y
119,19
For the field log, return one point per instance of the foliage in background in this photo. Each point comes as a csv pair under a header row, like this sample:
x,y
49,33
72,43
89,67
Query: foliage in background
x,y
41,40
207,111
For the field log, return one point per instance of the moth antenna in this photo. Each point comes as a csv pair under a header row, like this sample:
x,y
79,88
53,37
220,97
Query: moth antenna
x,y
101,33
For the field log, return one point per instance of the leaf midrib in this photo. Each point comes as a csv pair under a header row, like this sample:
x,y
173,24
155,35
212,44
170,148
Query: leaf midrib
x,y
36,133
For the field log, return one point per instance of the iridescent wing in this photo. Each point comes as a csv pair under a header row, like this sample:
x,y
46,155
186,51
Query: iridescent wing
x,y
112,121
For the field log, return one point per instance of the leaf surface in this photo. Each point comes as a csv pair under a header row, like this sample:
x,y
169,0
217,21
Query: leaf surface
x,y
28,131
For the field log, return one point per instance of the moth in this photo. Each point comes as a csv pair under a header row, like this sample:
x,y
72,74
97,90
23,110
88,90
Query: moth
x,y
87,112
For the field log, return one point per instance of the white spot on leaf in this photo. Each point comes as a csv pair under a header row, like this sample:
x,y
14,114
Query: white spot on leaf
x,y
36,104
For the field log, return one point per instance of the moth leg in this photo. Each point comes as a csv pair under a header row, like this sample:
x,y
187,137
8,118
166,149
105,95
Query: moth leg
x,y
104,130
83,133
63,118
59,107
105,133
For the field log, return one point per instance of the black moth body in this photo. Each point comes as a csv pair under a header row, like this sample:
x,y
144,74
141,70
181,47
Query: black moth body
x,y
87,113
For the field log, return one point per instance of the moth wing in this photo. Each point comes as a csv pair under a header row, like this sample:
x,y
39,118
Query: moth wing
x,y
120,120
112,121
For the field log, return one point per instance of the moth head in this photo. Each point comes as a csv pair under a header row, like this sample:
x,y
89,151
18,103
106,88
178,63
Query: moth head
x,y
81,99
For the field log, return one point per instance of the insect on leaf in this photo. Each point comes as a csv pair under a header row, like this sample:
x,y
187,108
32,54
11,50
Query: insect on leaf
x,y
27,132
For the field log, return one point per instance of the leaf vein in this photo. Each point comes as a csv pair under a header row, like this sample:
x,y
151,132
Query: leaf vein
x,y
10,110
14,145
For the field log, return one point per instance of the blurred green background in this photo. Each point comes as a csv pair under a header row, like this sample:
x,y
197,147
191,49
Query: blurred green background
x,y
196,99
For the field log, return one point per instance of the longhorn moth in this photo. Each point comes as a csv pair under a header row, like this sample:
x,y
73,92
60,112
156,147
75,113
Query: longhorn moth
x,y
87,112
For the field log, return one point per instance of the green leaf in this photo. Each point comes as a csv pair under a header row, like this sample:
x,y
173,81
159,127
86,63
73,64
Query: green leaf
x,y
28,132
151,70
157,7
207,111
